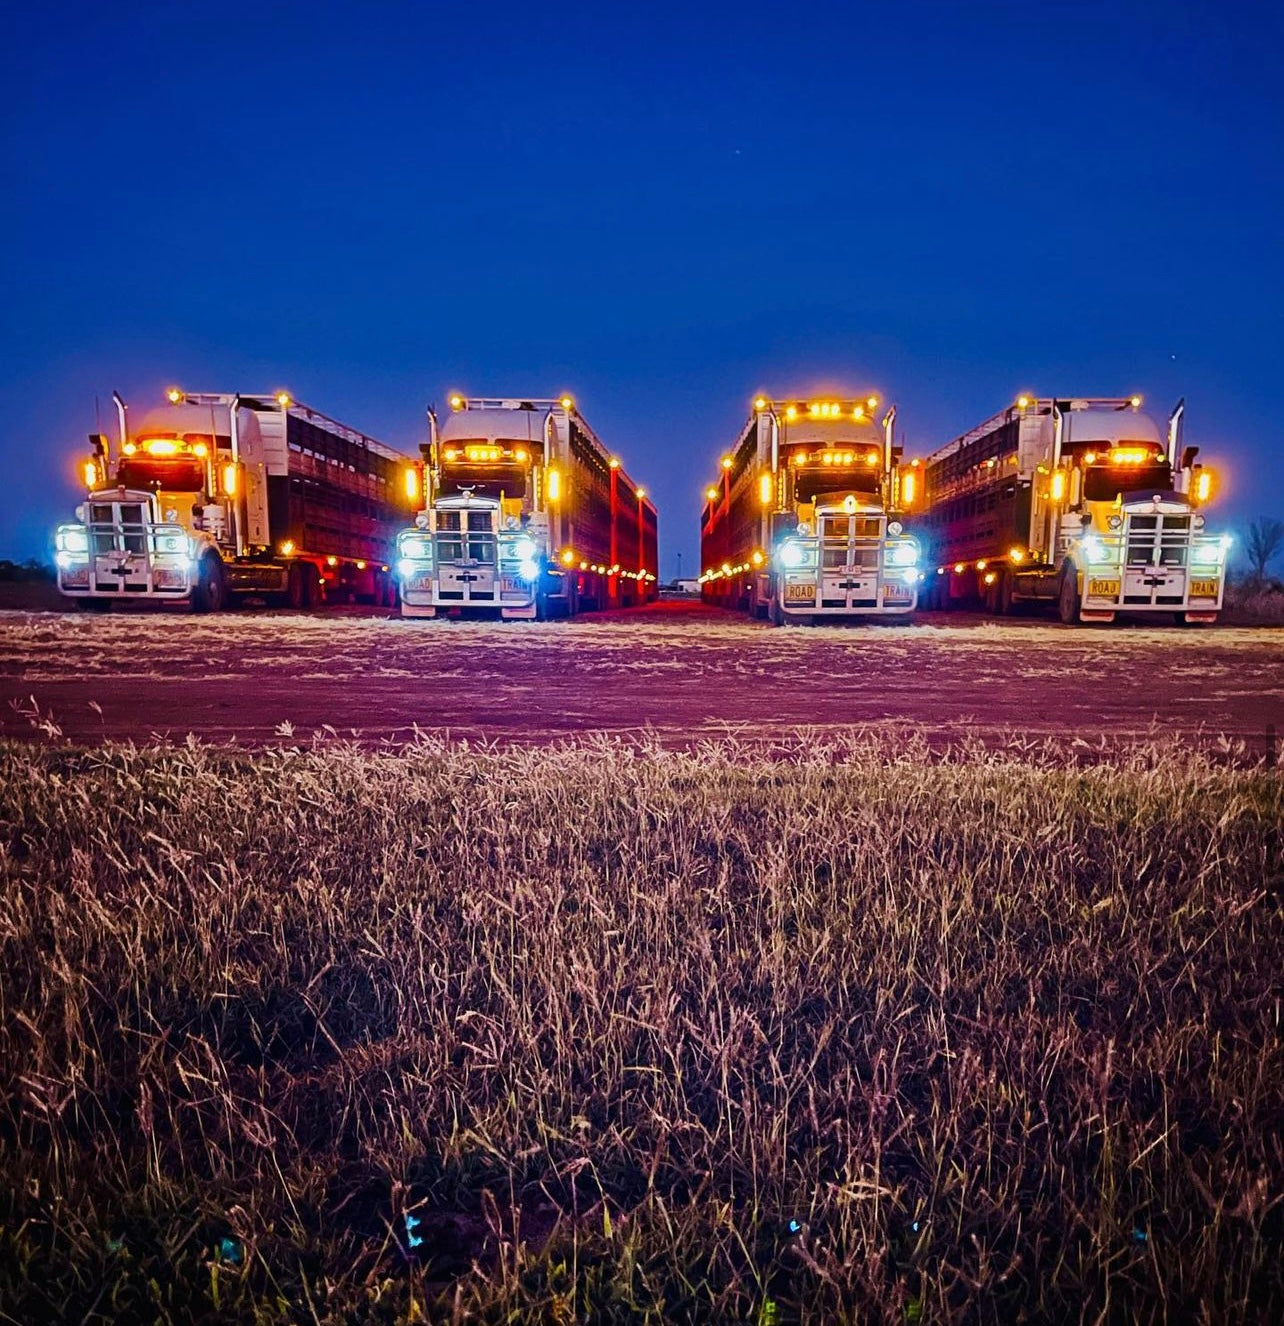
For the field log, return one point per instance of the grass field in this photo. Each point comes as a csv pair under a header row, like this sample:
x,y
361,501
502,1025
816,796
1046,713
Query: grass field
x,y
862,1032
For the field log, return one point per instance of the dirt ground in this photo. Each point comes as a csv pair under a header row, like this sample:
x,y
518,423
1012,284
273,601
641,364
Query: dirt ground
x,y
679,670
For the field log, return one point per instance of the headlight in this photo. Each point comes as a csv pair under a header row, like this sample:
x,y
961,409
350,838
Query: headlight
x,y
529,569
63,558
894,528
525,548
73,539
903,554
791,554
1206,555
1115,521
407,567
1093,549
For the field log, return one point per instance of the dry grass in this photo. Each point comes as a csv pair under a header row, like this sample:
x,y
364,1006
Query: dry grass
x,y
851,1033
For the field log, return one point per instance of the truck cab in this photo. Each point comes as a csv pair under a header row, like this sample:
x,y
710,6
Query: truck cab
x,y
484,542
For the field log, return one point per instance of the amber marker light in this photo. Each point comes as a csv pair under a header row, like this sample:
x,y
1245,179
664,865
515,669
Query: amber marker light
x,y
174,396
568,556
764,489
287,548
412,483
568,402
1058,488
711,494
1023,402
1203,485
283,399
959,568
615,462
554,486
757,559
726,462
89,472
456,402
229,480
760,403
641,493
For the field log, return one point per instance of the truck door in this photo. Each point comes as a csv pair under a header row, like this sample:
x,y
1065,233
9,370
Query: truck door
x,y
118,544
849,557
466,556
1155,563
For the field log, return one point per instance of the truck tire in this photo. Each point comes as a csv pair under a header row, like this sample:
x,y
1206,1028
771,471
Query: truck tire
x,y
313,595
1007,608
295,591
1068,599
209,593
774,611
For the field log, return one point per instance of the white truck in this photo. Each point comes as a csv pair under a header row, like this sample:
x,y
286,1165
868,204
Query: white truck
x,y
1081,503
528,515
212,497
802,523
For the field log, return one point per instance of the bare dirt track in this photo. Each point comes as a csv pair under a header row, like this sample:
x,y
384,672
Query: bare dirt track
x,y
679,670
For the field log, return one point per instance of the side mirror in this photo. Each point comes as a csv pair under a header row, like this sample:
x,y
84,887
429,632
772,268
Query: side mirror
x,y
1188,457
99,443
897,453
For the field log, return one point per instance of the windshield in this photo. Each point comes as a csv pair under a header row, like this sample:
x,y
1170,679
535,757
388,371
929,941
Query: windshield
x,y
175,474
811,483
1104,483
485,479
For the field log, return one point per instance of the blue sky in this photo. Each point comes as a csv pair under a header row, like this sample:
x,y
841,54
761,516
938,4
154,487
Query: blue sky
x,y
660,210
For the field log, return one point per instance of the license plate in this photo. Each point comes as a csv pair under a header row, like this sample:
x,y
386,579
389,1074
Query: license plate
x,y
901,593
419,584
800,593
513,585
1203,589
1103,589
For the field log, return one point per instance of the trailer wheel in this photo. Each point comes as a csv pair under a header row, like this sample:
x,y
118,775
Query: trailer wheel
x,y
1068,600
209,593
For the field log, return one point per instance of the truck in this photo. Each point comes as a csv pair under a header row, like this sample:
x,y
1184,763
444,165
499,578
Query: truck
x,y
1083,504
528,516
212,498
803,522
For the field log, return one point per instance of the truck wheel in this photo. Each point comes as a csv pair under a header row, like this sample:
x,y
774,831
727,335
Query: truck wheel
x,y
209,594
1068,600
775,612
313,595
1007,607
295,591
